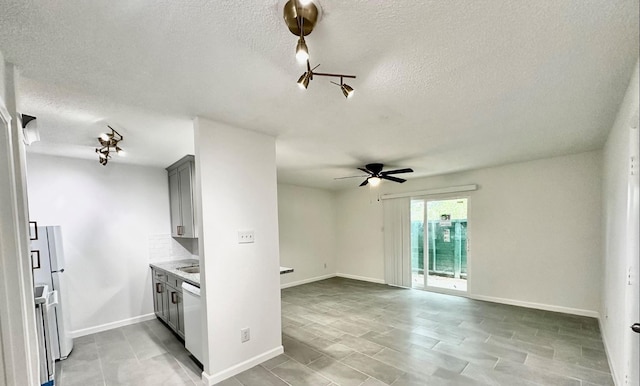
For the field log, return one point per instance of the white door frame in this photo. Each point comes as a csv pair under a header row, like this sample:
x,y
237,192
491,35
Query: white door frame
x,y
19,349
632,345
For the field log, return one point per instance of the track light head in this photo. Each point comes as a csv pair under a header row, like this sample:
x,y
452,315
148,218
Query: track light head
x,y
347,90
303,81
302,52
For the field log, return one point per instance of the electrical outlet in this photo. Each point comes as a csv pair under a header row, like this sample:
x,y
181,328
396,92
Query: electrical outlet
x,y
245,335
246,237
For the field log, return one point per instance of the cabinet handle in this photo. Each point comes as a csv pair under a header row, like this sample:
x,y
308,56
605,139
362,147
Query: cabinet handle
x,y
159,287
173,298
180,230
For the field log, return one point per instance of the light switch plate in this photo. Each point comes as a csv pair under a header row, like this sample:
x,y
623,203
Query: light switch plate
x,y
245,237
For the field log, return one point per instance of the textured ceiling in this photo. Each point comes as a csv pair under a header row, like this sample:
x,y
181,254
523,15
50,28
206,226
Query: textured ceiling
x,y
441,86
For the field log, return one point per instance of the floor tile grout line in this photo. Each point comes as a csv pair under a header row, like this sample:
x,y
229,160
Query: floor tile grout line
x,y
104,378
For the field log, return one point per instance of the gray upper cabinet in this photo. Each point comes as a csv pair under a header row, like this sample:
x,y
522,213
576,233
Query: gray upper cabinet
x,y
181,199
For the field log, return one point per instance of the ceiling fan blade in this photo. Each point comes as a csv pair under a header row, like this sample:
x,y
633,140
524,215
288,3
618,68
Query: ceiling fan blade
x,y
342,178
397,171
394,179
365,182
366,171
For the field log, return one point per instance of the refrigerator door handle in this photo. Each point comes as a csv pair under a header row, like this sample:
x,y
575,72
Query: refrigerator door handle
x,y
33,235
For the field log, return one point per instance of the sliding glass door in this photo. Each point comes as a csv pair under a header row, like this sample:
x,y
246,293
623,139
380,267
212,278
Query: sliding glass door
x,y
439,244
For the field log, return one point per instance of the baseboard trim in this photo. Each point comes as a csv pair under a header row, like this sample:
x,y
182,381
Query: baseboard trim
x,y
539,306
361,278
112,325
306,281
240,367
614,375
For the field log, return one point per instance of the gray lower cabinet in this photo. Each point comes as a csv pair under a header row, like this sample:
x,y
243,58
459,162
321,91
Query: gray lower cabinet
x,y
159,298
175,318
167,300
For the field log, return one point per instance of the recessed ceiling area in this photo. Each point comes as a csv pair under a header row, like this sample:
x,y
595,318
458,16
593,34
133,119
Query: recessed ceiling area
x,y
441,86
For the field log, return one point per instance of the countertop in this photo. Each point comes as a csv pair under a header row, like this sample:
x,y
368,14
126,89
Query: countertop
x,y
172,268
192,278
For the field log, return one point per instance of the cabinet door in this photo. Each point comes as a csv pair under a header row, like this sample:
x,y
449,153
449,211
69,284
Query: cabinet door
x,y
172,314
186,199
174,202
180,307
157,297
160,306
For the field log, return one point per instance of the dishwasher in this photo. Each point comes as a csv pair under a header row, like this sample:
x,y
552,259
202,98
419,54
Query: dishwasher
x,y
45,302
192,320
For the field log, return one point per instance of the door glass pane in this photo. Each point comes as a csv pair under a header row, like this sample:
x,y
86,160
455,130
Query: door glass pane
x,y
447,244
417,243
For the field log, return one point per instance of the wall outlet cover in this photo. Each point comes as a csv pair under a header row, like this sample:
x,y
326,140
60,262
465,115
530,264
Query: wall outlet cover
x,y
246,237
245,335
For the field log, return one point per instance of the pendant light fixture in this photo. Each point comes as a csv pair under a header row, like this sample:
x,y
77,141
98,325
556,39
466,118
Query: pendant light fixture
x,y
301,16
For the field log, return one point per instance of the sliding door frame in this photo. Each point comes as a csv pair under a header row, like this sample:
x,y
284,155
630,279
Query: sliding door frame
x,y
425,240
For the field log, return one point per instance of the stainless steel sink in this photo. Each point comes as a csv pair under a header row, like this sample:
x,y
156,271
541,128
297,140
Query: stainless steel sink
x,y
194,269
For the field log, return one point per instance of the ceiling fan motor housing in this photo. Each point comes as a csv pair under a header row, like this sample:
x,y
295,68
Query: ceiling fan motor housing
x,y
374,168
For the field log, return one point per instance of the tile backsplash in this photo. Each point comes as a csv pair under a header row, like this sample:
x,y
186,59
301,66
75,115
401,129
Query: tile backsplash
x,y
163,247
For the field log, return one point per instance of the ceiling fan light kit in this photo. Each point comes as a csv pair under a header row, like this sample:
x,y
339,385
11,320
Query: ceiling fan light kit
x,y
301,16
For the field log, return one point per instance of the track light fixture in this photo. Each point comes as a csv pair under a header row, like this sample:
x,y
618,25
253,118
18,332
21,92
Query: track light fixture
x,y
301,17
109,143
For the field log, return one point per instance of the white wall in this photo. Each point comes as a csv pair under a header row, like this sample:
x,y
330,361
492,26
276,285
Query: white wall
x,y
307,225
112,217
615,305
2,81
534,231
237,191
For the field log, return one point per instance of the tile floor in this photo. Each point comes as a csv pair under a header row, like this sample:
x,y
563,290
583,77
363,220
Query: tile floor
x,y
346,332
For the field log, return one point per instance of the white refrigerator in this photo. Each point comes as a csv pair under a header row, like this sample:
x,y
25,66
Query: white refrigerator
x,y
47,263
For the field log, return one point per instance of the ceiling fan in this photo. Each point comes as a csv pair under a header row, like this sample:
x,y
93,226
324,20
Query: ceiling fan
x,y
375,174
